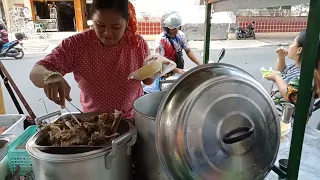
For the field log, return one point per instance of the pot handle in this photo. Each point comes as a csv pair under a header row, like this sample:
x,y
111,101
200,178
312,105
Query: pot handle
x,y
40,119
231,137
130,138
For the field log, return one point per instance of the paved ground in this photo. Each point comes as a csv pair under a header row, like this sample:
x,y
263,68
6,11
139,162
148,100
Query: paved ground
x,y
250,59
46,46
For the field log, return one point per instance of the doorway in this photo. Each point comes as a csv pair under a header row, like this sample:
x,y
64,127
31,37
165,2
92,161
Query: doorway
x,y
62,11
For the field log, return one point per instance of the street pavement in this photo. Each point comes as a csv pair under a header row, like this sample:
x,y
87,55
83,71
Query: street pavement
x,y
34,46
249,59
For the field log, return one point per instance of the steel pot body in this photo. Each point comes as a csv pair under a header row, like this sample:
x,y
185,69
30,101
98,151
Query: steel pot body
x,y
146,108
113,162
217,122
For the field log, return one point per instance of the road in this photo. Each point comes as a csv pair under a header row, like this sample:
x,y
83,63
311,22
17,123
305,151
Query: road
x,y
250,60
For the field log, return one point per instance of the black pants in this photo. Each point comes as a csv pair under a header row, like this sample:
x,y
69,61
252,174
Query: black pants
x,y
1,44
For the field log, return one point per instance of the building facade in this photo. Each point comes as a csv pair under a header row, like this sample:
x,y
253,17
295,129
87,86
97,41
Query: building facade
x,y
50,15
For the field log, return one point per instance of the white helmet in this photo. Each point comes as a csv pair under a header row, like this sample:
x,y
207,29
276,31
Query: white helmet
x,y
171,20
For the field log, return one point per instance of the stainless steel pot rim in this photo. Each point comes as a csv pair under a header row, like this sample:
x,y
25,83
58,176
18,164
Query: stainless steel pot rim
x,y
141,99
182,106
38,154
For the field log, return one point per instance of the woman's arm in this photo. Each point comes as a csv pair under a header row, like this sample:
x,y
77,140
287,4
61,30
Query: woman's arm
x,y
289,91
37,75
281,64
60,60
282,87
281,61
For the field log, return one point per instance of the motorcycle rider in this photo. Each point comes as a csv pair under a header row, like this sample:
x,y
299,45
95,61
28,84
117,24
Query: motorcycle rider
x,y
251,25
248,32
3,36
172,41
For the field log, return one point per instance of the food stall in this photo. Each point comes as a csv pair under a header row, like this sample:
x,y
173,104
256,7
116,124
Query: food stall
x,y
186,132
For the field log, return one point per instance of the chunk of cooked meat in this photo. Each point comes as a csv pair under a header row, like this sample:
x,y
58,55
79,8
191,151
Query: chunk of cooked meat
x,y
76,137
95,130
97,138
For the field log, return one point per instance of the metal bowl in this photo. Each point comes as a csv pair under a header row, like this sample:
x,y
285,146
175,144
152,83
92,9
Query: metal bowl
x,y
217,121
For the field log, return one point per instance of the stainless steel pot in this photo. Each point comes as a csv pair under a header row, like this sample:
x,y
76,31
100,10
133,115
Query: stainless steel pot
x,y
146,108
112,162
217,122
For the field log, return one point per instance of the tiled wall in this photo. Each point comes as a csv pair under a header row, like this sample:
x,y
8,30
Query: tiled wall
x,y
274,24
149,27
263,24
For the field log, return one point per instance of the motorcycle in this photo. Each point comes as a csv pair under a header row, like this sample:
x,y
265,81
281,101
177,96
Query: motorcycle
x,y
162,84
245,33
13,48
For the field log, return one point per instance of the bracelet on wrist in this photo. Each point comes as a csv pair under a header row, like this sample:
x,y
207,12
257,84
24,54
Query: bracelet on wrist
x,y
49,75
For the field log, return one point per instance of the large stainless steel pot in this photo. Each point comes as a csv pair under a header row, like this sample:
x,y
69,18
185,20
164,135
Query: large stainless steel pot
x,y
217,122
112,162
146,108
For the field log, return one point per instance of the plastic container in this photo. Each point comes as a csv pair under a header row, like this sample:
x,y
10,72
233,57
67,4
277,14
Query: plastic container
x,y
14,122
155,67
147,71
20,156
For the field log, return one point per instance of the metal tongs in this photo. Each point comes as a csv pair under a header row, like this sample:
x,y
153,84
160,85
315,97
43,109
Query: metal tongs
x,y
74,106
78,122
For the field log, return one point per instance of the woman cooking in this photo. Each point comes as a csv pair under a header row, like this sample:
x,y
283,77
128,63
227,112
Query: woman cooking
x,y
285,88
100,59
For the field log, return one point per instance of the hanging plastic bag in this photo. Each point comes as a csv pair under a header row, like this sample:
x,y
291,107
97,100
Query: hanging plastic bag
x,y
154,66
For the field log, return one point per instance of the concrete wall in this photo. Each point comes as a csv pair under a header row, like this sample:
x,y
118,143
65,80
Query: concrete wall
x,y
220,23
219,31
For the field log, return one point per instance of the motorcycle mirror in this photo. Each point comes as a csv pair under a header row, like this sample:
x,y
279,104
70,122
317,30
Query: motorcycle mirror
x,y
222,53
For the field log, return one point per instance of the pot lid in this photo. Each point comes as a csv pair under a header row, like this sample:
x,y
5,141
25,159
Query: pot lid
x,y
217,121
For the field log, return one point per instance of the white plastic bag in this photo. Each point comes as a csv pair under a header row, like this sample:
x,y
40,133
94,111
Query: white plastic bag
x,y
265,72
154,66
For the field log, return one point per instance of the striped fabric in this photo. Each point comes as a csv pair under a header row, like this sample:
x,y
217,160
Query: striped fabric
x,y
291,75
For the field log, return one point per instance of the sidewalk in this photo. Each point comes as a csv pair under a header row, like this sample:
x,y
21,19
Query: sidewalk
x,y
235,44
46,46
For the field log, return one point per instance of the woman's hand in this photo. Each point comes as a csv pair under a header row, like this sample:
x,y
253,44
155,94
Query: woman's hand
x,y
57,89
272,76
282,52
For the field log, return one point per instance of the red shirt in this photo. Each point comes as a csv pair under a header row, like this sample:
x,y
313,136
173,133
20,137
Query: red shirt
x,y
101,72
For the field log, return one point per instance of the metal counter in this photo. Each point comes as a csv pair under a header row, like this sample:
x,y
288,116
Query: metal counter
x,y
309,166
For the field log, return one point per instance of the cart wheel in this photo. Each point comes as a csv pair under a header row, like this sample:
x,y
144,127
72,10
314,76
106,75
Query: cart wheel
x,y
20,55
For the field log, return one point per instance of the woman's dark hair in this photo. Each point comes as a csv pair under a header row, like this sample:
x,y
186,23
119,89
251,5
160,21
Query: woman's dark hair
x,y
301,39
120,6
1,27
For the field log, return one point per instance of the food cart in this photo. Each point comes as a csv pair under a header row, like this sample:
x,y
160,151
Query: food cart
x,y
299,126
308,63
